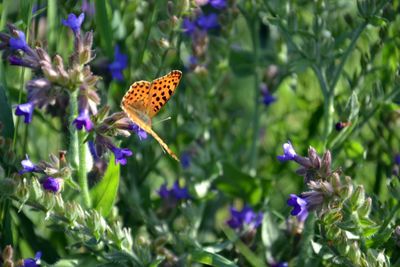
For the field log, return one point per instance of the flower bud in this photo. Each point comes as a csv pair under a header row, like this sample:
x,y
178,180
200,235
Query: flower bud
x,y
326,163
43,56
358,198
170,8
314,158
50,73
88,40
8,253
85,56
365,209
354,253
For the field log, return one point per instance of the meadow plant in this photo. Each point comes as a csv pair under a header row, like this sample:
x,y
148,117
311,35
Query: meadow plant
x,y
83,184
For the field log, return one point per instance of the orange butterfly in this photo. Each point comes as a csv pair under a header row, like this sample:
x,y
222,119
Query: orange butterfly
x,y
144,99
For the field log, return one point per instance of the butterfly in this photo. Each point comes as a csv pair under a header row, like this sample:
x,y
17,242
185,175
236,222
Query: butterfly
x,y
144,100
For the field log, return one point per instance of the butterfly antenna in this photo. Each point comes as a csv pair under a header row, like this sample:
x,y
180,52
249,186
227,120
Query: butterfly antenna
x,y
165,119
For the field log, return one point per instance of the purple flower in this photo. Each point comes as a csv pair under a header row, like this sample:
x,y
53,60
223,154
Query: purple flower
x,y
83,120
188,26
25,110
92,149
268,99
179,192
244,217
51,184
74,22
88,7
33,262
164,192
121,154
174,194
218,4
185,160
19,42
288,152
280,264
118,65
299,207
208,22
28,166
397,159
139,131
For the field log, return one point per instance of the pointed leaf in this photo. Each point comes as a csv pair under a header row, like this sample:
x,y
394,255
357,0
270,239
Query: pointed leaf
x,y
211,259
103,194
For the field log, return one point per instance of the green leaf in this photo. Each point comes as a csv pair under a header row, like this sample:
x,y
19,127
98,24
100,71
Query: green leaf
x,y
6,115
239,184
269,232
211,259
103,26
103,194
241,62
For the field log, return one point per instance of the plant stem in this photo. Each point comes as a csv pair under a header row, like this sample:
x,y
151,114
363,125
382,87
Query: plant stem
x,y
77,149
82,177
73,135
256,118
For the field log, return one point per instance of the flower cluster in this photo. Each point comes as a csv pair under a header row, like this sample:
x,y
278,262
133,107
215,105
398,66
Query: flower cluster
x,y
246,218
118,65
7,258
198,25
335,201
50,89
175,193
116,124
53,173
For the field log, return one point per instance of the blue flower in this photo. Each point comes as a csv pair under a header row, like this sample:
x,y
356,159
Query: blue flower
x,y
139,131
83,120
33,262
52,184
188,26
164,192
280,264
28,166
121,154
180,192
74,22
118,65
185,160
299,207
244,217
218,4
397,159
288,152
268,99
208,22
174,194
19,42
25,110
92,149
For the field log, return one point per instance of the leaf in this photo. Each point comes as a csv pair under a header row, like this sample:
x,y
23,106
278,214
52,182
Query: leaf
x,y
6,115
241,62
103,194
211,259
104,26
269,232
239,184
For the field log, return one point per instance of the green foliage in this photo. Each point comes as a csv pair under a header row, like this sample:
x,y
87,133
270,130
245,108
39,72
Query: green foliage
x,y
327,63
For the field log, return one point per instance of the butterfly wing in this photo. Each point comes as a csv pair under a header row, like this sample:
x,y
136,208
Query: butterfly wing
x,y
161,90
137,95
136,118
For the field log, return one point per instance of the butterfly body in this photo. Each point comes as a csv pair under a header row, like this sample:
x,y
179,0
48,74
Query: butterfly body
x,y
144,100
